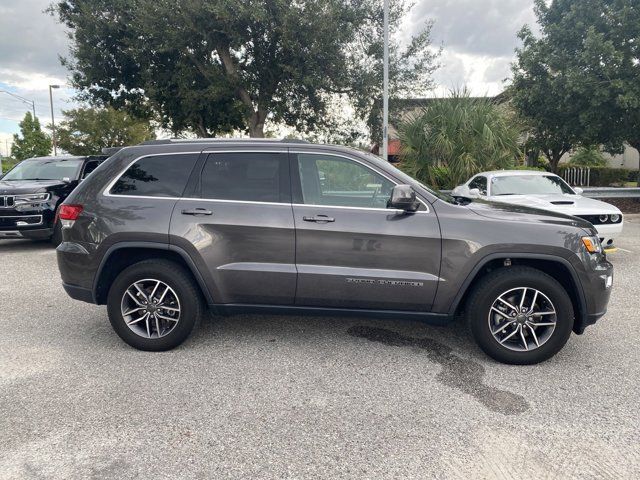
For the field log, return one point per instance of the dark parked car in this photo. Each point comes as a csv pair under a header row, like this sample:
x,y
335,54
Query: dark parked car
x,y
164,229
32,191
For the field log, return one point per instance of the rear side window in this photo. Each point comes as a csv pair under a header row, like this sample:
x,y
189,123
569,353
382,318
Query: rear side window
x,y
156,176
257,177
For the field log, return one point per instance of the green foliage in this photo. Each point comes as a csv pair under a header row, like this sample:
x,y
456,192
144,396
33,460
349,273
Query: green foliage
x,y
452,138
579,82
602,176
85,131
32,141
215,66
8,163
588,157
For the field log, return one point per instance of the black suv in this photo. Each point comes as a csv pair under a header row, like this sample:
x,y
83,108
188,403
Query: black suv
x,y
32,191
163,229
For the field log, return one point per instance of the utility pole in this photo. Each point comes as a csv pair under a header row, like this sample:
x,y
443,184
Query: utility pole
x,y
53,123
385,87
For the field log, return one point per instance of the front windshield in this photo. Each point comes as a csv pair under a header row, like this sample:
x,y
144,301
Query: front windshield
x,y
41,169
529,185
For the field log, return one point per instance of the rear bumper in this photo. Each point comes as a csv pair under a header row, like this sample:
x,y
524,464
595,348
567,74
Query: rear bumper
x,y
78,293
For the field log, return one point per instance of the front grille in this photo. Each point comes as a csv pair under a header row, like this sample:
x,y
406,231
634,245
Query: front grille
x,y
20,221
7,201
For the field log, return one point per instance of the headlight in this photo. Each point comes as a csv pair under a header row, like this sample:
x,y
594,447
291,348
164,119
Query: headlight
x,y
603,218
592,244
32,198
615,218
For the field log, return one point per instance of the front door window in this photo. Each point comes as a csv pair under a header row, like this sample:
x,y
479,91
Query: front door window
x,y
337,181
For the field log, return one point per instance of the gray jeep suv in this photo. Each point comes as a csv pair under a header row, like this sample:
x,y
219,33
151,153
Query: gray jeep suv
x,y
163,229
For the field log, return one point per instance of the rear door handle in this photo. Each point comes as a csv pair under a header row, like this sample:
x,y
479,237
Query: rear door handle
x,y
197,211
319,219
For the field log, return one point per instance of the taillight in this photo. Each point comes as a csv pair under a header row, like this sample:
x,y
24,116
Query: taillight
x,y
68,214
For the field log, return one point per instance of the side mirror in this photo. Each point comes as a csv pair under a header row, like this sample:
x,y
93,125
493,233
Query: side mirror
x,y
403,197
578,190
474,193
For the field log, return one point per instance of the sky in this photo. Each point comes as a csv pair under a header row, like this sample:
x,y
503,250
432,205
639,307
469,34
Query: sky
x,y
478,39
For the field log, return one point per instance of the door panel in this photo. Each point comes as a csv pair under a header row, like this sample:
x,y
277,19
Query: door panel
x,y
367,259
354,257
247,246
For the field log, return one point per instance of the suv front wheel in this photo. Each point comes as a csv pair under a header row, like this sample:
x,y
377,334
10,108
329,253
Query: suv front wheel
x,y
520,315
154,305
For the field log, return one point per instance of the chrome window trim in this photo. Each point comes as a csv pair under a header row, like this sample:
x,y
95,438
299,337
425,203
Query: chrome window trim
x,y
364,164
107,191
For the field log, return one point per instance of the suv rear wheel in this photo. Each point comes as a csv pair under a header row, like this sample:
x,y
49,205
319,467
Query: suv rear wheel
x,y
154,305
520,315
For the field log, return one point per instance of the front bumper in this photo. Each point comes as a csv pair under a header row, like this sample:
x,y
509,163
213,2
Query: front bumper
x,y
29,233
36,225
608,233
597,282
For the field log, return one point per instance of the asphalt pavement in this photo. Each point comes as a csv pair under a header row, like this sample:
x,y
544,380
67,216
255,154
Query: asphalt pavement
x,y
255,396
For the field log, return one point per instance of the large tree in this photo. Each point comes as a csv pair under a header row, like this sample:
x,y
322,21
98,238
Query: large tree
x,y
579,81
213,66
85,131
32,141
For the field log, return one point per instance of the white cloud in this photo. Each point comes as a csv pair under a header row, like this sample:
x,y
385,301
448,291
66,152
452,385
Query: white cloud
x,y
479,39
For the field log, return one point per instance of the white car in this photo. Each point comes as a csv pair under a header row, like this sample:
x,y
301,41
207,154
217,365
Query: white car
x,y
546,191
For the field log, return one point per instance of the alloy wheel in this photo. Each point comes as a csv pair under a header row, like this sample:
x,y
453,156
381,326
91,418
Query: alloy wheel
x,y
150,308
522,319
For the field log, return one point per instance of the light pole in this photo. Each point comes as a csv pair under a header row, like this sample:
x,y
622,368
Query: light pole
x,y
53,123
385,86
24,100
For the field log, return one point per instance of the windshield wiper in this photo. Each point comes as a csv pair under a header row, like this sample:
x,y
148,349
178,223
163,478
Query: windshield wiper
x,y
501,194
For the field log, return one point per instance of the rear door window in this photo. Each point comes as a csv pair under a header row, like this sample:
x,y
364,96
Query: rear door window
x,y
246,176
157,176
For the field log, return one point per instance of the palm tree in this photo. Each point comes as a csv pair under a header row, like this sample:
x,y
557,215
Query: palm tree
x,y
449,139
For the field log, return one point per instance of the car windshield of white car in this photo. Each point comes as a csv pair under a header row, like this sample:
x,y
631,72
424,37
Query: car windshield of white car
x,y
529,185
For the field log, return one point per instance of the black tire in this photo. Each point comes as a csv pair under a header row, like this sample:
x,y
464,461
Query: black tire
x,y
173,275
56,238
494,284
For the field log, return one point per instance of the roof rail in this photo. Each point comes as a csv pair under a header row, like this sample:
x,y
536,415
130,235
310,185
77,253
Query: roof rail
x,y
111,150
167,141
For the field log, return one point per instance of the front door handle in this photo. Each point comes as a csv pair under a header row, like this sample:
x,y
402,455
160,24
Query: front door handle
x,y
319,219
197,211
